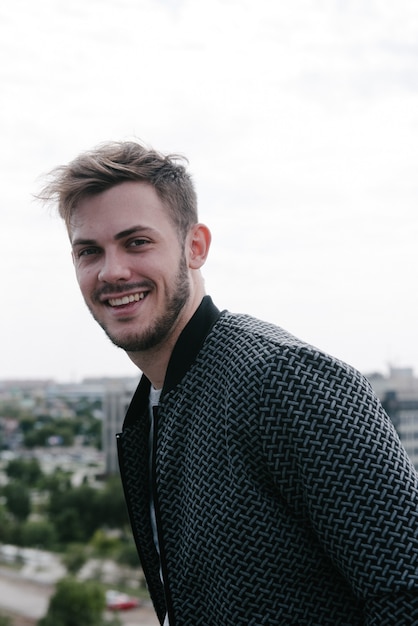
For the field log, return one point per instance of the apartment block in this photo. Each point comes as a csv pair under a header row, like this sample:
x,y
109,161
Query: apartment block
x,y
398,392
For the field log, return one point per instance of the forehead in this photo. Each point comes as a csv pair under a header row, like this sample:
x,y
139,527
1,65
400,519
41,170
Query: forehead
x,y
117,209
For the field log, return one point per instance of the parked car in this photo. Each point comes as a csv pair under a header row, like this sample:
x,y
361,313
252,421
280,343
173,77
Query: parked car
x,y
117,601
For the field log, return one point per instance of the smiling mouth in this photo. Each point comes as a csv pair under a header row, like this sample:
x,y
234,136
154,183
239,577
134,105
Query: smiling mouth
x,y
134,297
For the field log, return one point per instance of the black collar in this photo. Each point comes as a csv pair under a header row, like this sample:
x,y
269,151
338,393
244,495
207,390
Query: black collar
x,y
190,342
184,353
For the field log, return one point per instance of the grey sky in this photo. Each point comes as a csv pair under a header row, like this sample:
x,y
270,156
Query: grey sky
x,y
300,122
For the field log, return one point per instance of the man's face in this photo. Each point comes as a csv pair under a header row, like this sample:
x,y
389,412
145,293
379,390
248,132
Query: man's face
x,y
130,265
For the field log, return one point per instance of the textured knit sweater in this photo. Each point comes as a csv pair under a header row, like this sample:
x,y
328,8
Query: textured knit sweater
x,y
282,492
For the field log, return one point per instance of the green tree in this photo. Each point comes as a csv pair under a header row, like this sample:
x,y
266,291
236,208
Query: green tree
x,y
112,504
17,499
75,604
78,512
4,525
28,471
70,526
57,482
27,423
104,545
42,435
128,554
10,530
75,513
40,533
75,557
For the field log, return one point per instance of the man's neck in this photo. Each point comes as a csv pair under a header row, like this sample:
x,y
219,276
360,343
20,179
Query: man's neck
x,y
154,362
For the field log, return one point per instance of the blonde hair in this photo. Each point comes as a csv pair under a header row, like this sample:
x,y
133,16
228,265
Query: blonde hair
x,y
112,163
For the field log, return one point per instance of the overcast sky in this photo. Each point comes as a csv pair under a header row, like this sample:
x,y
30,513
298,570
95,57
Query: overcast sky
x,y
300,123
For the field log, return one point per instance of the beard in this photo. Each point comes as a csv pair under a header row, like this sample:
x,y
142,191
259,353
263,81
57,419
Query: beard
x,y
148,338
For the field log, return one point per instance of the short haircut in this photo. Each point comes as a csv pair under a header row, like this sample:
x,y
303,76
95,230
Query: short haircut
x,y
112,163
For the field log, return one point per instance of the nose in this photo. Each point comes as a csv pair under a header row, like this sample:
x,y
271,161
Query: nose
x,y
114,268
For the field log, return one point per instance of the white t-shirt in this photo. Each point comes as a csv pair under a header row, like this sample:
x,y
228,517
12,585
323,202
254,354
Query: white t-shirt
x,y
154,398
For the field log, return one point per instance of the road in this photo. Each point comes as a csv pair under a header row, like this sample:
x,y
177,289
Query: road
x,y
30,600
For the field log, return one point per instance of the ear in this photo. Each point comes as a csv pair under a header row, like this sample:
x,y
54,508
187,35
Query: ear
x,y
197,245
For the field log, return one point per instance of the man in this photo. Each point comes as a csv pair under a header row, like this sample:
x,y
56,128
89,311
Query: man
x,y
264,482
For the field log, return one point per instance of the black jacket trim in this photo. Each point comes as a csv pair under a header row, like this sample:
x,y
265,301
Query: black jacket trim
x,y
184,353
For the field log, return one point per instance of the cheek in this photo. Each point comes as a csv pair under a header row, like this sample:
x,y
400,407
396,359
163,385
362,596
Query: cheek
x,y
85,279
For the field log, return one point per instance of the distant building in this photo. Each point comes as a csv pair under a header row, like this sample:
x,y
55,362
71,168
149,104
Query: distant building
x,y
62,400
398,393
116,398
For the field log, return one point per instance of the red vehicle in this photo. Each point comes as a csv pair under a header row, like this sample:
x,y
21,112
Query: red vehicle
x,y
116,601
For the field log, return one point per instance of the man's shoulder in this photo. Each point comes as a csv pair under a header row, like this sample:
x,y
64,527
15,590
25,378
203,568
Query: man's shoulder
x,y
254,341
253,329
250,335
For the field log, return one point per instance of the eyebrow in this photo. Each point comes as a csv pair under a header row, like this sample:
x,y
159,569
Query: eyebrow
x,y
117,237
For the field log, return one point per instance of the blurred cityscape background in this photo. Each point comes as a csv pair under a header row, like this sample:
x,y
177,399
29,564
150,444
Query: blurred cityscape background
x,y
62,512
300,122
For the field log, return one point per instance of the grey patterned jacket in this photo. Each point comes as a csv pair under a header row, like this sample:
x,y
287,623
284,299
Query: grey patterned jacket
x,y
282,492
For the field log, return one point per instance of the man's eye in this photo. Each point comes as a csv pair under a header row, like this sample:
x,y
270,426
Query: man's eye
x,y
136,243
87,252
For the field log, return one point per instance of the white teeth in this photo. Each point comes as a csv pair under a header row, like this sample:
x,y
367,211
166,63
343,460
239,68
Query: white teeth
x,y
135,297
